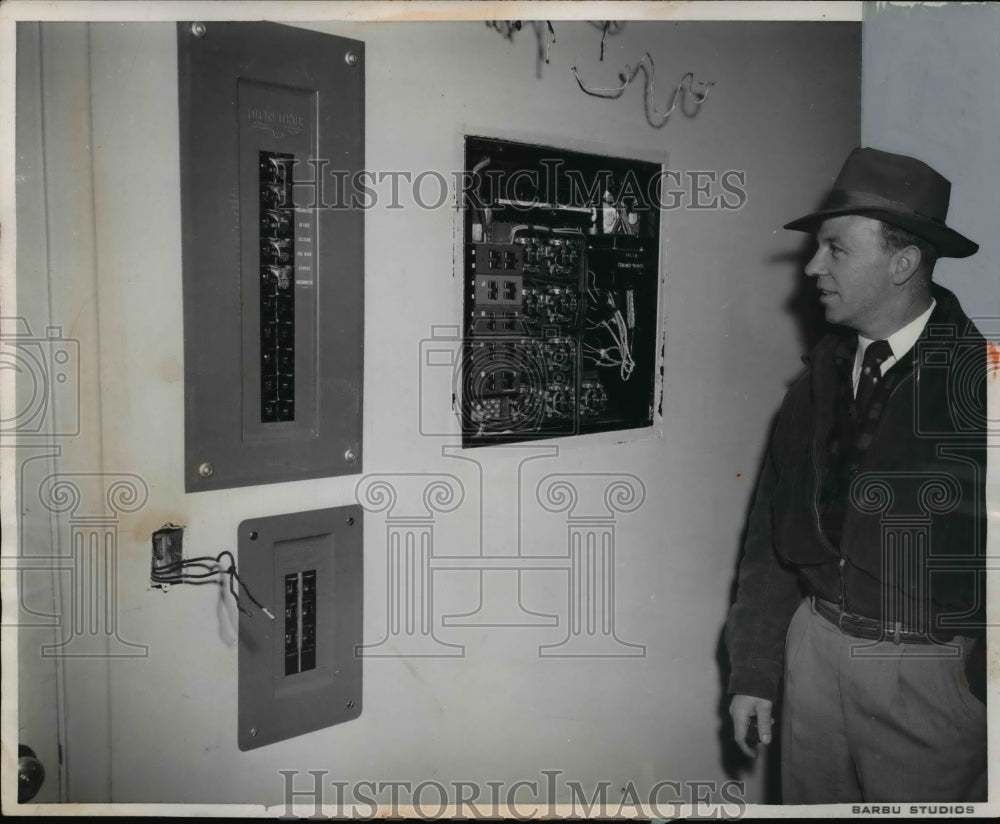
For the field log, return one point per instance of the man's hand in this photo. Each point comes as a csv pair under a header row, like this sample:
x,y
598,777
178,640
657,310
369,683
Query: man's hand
x,y
744,707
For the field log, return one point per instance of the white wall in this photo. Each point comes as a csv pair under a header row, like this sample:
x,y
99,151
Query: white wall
x,y
931,89
784,109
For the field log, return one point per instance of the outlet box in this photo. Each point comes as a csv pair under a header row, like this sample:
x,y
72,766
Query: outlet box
x,y
302,671
168,549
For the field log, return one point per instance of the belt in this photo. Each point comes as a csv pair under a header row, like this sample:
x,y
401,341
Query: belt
x,y
872,629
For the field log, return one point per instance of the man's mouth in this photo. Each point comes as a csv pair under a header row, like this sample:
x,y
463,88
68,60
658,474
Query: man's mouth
x,y
825,293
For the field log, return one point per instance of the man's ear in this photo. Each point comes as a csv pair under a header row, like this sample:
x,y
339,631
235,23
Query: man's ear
x,y
904,264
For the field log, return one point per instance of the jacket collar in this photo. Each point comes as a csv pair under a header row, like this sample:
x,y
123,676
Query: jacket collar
x,y
841,343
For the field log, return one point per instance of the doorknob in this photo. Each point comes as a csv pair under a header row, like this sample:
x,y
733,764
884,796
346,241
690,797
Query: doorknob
x,y
30,774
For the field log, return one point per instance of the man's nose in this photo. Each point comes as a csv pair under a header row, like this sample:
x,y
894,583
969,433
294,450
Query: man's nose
x,y
815,267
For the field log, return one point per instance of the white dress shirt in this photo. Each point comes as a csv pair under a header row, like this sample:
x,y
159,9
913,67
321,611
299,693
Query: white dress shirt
x,y
900,342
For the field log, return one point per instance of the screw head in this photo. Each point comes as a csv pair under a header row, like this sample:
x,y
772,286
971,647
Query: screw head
x,y
350,456
253,534
198,29
350,521
351,58
253,732
206,470
350,705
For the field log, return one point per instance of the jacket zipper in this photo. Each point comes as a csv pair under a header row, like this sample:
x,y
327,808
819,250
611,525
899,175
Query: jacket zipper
x,y
817,479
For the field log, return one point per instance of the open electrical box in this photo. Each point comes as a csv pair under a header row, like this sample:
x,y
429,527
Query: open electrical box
x,y
561,274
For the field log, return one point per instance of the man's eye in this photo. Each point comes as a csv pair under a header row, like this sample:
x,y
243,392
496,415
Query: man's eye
x,y
836,251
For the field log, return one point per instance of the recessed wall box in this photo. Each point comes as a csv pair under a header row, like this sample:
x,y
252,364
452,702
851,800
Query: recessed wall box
x,y
271,139
168,552
560,292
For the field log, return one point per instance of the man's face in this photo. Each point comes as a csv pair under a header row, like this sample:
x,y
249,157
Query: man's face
x,y
853,273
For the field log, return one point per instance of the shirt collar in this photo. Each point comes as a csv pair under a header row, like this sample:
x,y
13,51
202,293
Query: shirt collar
x,y
902,340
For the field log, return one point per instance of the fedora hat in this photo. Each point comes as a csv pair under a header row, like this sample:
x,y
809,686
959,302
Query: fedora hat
x,y
898,190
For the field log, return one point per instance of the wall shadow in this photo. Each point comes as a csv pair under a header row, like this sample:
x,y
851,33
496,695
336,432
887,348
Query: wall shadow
x,y
734,762
802,303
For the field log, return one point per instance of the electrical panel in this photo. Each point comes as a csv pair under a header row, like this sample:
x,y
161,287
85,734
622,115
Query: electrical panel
x,y
302,670
272,140
561,274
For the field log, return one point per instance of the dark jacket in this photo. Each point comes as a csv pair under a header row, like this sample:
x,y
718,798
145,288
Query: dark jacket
x,y
912,500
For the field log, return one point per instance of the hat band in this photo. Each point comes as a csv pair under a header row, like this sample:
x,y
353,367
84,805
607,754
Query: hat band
x,y
855,199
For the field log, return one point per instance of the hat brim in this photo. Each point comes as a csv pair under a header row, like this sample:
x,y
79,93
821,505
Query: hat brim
x,y
947,242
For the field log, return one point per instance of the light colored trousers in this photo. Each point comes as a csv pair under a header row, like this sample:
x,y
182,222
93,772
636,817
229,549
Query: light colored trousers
x,y
872,721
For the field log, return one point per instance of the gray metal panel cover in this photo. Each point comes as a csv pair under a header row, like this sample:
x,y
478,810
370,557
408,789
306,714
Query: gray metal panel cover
x,y
218,66
273,706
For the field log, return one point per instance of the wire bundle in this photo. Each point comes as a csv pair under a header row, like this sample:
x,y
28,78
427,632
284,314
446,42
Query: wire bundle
x,y
620,353
654,117
211,571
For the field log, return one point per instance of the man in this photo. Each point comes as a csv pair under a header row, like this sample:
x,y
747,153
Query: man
x,y
870,504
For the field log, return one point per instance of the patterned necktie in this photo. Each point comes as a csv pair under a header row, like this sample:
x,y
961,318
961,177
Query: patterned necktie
x,y
871,373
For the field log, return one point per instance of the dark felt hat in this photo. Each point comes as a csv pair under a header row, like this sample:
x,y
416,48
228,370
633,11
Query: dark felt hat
x,y
898,190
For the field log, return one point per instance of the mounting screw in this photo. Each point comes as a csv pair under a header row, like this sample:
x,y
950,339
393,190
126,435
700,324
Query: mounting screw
x,y
351,58
198,29
349,456
253,732
206,470
350,705
350,521
253,534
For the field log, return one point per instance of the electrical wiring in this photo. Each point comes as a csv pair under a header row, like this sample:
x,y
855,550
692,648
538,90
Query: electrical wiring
x,y
545,35
482,164
504,27
178,573
550,40
604,35
630,73
483,211
604,355
618,330
622,225
621,338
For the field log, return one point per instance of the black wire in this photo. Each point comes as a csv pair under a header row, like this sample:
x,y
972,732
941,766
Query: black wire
x,y
176,567
182,581
176,573
232,573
